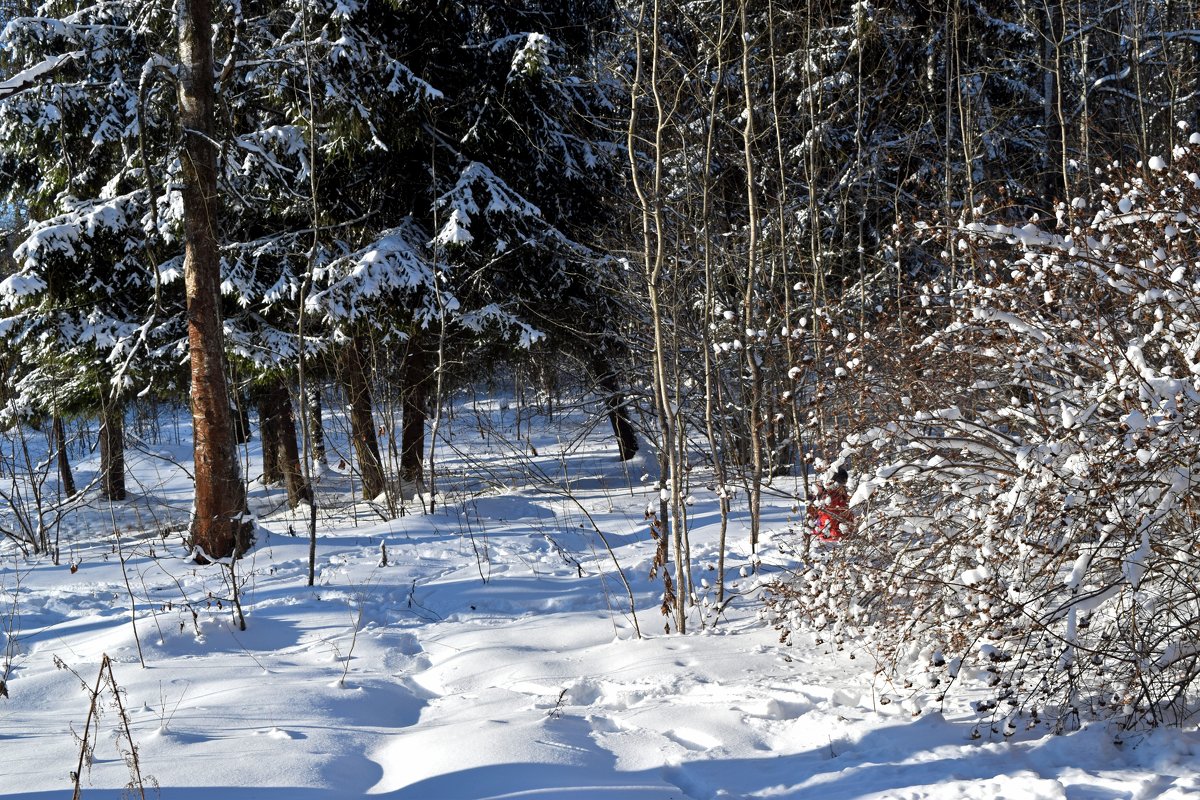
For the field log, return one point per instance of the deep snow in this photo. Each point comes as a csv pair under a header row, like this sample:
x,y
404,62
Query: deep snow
x,y
493,657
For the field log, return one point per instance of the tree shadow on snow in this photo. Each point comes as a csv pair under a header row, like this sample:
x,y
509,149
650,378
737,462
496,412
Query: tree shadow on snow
x,y
929,752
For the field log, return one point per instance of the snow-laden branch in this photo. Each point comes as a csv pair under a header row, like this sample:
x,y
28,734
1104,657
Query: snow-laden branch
x,y
28,78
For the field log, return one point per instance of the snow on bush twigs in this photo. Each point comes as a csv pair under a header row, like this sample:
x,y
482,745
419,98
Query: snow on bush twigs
x,y
1034,529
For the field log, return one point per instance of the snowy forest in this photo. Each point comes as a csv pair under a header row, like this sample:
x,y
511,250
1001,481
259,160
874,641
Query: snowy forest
x,y
324,277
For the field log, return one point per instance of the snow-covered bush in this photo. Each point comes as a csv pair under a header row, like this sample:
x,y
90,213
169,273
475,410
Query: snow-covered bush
x,y
1035,530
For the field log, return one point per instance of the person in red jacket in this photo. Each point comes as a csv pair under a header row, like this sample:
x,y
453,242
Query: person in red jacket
x,y
831,515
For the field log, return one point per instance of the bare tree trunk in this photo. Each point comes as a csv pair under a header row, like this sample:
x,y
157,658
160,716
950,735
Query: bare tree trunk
x,y
268,434
279,424
112,452
755,412
785,254
312,428
711,376
1055,179
362,421
218,529
241,418
298,489
65,479
618,411
414,397
654,256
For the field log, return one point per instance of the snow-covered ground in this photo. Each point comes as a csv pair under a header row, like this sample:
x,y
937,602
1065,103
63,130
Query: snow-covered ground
x,y
494,656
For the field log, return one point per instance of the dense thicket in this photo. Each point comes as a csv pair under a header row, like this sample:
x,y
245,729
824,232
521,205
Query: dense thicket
x,y
813,186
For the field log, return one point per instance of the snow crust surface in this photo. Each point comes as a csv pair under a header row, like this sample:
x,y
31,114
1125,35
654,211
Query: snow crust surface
x,y
494,656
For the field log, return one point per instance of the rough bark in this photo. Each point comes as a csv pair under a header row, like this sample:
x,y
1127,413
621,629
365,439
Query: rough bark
x,y
112,453
362,421
218,529
278,426
414,403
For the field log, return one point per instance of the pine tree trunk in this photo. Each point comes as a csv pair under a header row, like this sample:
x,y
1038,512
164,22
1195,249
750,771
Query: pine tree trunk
x,y
112,453
362,421
414,401
65,479
279,424
217,529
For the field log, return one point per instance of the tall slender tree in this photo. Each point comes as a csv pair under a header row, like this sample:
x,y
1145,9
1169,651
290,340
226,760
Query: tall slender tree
x,y
219,527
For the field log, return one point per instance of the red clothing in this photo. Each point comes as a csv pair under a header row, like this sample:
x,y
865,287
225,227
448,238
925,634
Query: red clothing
x,y
834,518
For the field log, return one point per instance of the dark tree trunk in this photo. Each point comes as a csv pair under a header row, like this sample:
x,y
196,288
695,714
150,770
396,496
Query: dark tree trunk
x,y
241,419
618,411
414,402
269,433
278,425
362,421
65,479
218,527
112,453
